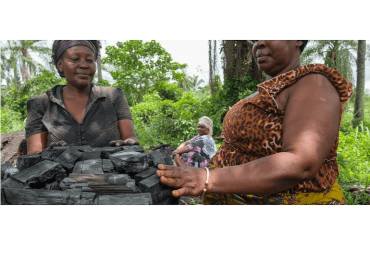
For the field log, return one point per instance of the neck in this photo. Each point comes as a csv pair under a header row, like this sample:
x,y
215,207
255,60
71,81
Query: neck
x,y
79,91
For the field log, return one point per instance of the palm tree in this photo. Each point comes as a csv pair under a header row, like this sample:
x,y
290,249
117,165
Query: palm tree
x,y
337,54
18,63
360,86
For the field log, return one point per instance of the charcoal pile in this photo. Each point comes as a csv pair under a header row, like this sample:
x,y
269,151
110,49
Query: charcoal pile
x,y
84,175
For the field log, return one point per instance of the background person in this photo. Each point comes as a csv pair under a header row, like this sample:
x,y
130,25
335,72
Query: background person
x,y
197,151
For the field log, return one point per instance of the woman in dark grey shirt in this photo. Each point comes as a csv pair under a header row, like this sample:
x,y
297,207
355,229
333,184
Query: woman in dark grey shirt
x,y
80,113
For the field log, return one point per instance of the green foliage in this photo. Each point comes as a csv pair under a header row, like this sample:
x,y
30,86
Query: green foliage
x,y
137,65
103,82
238,89
17,100
167,91
354,153
11,121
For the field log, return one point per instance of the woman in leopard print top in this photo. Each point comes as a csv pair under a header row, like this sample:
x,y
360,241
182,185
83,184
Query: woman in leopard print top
x,y
280,145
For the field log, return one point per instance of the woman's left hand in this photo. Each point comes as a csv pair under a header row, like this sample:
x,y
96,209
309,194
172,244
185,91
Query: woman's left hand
x,y
127,142
189,181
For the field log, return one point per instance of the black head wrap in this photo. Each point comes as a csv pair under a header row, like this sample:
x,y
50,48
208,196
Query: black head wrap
x,y
60,46
303,45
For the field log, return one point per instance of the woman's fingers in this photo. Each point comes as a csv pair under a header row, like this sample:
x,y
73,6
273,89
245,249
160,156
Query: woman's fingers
x,y
112,143
167,167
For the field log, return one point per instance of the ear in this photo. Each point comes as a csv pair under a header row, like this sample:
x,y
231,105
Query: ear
x,y
60,66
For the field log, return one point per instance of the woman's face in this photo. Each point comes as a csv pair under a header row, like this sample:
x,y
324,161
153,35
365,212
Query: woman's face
x,y
202,130
277,57
78,65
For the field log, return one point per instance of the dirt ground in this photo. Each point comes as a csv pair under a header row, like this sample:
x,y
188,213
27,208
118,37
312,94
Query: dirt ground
x,y
9,146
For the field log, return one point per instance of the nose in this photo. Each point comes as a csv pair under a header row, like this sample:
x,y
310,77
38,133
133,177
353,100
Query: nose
x,y
261,44
83,64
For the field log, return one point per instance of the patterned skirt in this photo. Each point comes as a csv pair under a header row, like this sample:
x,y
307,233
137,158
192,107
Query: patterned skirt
x,y
332,196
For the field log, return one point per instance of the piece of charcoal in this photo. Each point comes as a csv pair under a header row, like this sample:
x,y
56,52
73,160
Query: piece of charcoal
x,y
12,183
51,154
133,148
41,172
168,161
61,174
110,150
161,196
169,201
157,158
53,186
94,166
124,199
145,174
66,182
68,159
90,155
149,184
108,166
150,161
118,178
4,167
27,161
7,170
47,197
129,162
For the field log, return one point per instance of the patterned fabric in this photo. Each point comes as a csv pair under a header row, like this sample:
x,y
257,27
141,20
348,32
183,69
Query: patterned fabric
x,y
253,127
105,107
203,148
332,196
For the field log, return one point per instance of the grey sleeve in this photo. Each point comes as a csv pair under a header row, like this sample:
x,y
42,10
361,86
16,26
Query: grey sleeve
x,y
121,106
35,113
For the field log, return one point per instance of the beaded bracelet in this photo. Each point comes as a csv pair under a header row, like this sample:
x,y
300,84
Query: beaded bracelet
x,y
206,183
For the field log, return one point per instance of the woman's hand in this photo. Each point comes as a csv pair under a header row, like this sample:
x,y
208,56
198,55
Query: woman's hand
x,y
127,142
189,181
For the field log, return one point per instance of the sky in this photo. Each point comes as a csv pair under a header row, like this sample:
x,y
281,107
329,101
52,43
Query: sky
x,y
195,54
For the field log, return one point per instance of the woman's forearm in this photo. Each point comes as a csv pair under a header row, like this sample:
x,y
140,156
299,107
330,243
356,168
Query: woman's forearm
x,y
265,176
183,145
186,149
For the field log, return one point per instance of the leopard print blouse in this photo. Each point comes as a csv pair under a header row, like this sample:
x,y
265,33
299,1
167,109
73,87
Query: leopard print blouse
x,y
253,127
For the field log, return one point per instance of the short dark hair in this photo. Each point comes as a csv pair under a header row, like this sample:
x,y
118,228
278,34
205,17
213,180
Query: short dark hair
x,y
304,44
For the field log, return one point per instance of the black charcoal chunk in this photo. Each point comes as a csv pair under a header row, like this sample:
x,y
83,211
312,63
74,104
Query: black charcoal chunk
x,y
161,196
157,158
124,199
68,159
61,174
7,170
129,162
90,155
110,150
94,166
52,186
168,161
145,174
134,148
27,161
12,183
41,172
107,166
66,183
51,154
118,178
149,184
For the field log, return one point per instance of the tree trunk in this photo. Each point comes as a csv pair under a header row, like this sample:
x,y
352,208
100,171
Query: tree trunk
x,y
99,67
360,86
211,70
